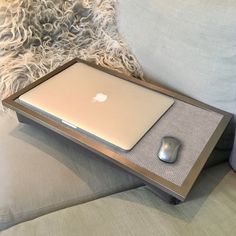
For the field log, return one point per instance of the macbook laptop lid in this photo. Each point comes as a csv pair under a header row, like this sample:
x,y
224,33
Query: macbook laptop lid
x,y
115,110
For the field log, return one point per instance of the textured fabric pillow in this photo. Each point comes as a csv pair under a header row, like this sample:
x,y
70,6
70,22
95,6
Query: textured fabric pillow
x,y
41,172
186,45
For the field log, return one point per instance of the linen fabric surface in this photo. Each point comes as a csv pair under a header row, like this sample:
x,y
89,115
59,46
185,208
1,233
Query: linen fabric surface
x,y
181,120
188,46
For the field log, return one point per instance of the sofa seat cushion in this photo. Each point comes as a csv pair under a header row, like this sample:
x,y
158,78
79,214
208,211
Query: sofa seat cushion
x,y
41,172
210,210
188,46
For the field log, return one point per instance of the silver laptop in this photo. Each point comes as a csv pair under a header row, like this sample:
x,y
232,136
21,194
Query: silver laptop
x,y
114,110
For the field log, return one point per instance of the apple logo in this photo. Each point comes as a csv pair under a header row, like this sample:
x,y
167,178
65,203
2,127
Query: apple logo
x,y
100,97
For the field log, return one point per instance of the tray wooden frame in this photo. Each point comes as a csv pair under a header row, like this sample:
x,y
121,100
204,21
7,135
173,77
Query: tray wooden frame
x,y
153,180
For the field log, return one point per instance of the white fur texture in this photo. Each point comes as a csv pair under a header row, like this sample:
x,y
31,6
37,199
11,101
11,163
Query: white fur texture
x,y
38,36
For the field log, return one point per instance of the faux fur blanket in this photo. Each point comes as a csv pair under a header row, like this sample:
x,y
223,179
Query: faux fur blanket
x,y
38,36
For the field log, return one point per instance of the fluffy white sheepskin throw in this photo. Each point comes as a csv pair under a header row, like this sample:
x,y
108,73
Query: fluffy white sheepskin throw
x,y
38,36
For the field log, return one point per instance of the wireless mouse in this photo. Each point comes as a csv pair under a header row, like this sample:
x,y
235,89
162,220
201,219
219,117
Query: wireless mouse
x,y
169,148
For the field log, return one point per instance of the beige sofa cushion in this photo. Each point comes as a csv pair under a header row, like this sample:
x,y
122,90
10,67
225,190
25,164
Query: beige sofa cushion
x,y
210,210
41,172
186,45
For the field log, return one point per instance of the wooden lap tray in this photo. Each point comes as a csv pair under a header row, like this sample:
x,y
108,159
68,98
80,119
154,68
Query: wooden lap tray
x,y
197,125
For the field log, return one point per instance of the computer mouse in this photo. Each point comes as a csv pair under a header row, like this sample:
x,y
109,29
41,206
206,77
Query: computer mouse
x,y
169,148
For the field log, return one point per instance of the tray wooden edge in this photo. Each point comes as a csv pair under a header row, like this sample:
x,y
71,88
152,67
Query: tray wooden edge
x,y
179,192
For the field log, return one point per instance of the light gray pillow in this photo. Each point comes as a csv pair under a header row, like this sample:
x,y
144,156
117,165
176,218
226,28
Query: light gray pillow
x,y
189,46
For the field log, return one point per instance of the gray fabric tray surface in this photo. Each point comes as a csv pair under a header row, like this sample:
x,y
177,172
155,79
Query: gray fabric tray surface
x,y
192,125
